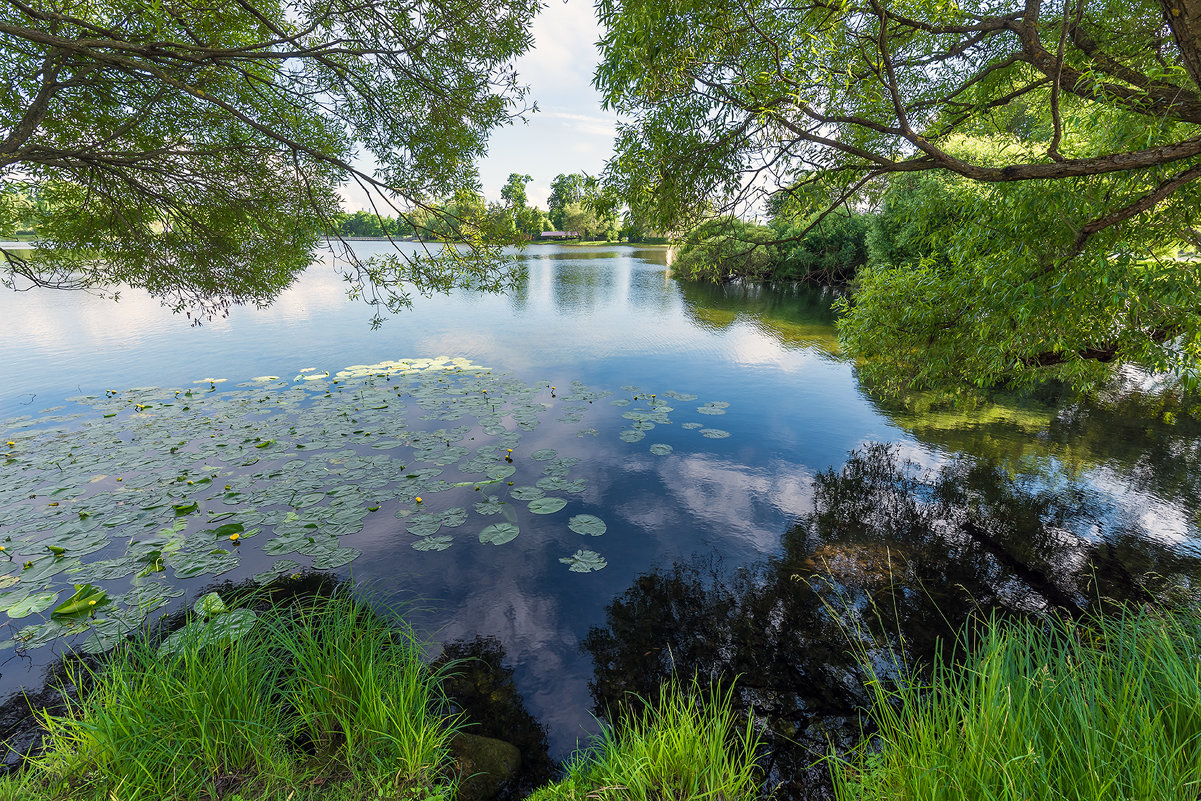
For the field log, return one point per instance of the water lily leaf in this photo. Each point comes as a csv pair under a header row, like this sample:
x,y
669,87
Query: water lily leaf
x,y
691,426
210,605
526,493
489,506
232,625
200,633
35,602
425,525
433,543
584,562
546,506
587,524
543,455
631,435
14,596
710,410
499,533
308,500
227,529
500,471
714,433
87,597
454,516
214,562
660,449
336,558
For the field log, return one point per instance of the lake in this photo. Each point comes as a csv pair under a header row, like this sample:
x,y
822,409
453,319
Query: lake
x,y
658,507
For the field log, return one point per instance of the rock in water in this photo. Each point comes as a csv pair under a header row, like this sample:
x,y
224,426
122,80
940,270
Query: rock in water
x,y
484,765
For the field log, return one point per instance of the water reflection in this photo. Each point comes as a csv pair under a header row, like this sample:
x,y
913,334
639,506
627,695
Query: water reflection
x,y
795,315
890,555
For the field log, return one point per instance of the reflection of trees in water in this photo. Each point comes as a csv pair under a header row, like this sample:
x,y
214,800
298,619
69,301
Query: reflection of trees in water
x,y
909,559
794,315
481,686
1149,438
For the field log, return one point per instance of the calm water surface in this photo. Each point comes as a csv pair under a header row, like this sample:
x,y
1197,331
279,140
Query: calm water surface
x,y
611,317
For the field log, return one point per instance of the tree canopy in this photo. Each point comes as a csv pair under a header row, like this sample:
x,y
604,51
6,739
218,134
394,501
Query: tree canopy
x,y
196,150
1042,158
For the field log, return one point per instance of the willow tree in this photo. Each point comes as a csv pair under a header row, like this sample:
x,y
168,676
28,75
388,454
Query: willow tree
x,y
1049,153
195,149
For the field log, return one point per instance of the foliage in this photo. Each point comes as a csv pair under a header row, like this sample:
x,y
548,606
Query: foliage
x,y
565,189
211,717
828,250
1067,138
964,291
686,745
727,247
513,191
196,151
1066,712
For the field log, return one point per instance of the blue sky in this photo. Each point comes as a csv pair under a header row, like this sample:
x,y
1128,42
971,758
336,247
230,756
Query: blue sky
x,y
570,132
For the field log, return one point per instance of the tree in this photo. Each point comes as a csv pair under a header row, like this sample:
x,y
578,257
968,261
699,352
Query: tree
x,y
1067,133
513,192
195,150
564,190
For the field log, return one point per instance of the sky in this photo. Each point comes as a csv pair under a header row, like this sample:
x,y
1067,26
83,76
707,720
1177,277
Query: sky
x,y
570,132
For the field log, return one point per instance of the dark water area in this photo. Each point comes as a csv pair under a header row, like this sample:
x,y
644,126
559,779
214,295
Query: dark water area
x,y
816,518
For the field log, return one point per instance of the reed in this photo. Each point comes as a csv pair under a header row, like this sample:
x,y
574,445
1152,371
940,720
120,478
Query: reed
x,y
1107,709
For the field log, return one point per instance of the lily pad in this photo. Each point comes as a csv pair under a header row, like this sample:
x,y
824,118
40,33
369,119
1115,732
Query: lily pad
x,y
336,558
499,533
587,524
526,493
546,506
35,602
433,543
209,605
543,455
585,562
660,449
714,433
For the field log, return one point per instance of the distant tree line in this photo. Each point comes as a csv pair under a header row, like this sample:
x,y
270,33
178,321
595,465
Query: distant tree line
x,y
576,205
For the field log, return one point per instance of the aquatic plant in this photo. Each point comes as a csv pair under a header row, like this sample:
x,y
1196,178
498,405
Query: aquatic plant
x,y
131,491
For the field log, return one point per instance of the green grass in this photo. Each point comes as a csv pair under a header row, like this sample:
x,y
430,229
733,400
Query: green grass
x,y
688,745
324,698
1108,710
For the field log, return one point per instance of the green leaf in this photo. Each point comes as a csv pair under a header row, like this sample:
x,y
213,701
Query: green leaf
x,y
86,599
546,506
587,524
499,533
584,562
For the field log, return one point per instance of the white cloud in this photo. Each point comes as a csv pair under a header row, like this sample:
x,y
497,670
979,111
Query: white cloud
x,y
564,52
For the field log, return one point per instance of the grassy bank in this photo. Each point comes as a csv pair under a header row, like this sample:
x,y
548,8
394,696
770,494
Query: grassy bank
x,y
686,745
320,698
1108,710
